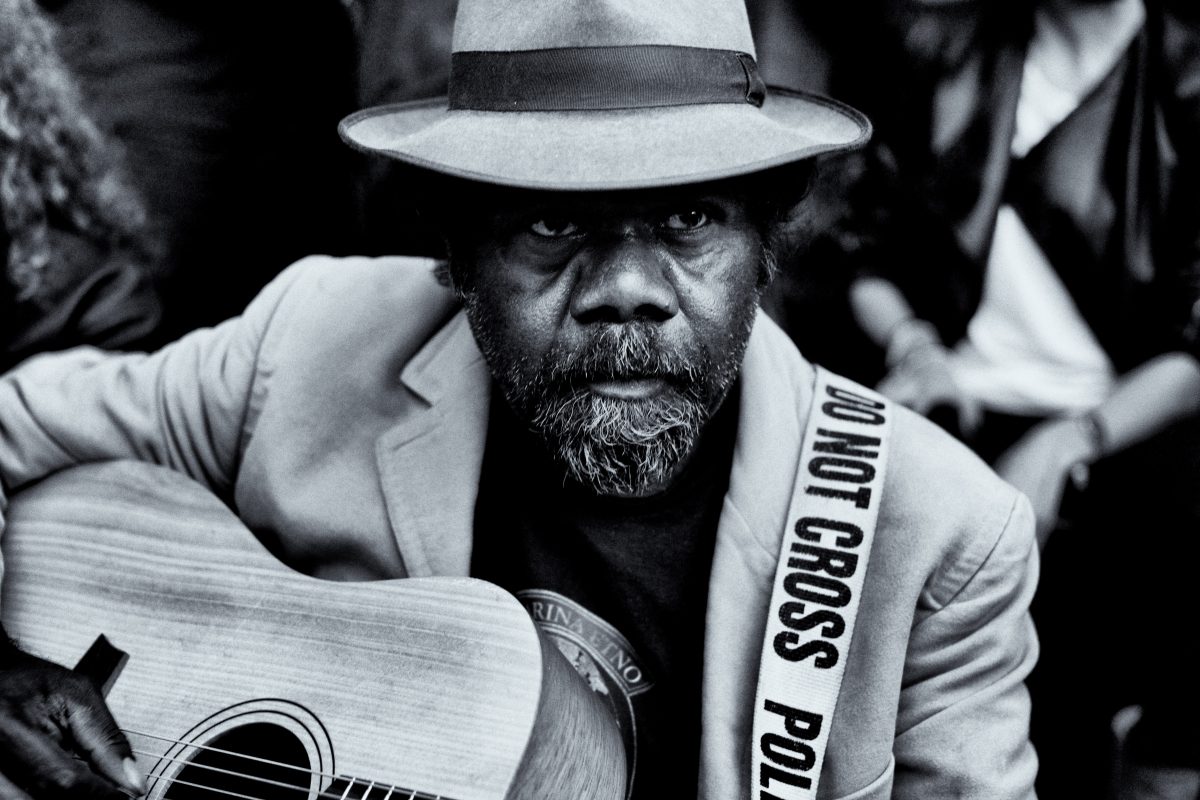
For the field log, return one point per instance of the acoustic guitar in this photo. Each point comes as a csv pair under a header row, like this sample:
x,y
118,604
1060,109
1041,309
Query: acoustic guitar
x,y
236,678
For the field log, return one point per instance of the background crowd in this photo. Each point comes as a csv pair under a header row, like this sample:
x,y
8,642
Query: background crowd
x,y
1016,255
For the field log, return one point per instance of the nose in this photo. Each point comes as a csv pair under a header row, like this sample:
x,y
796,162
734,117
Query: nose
x,y
625,281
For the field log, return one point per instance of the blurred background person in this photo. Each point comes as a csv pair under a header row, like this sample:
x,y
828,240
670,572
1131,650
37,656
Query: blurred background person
x,y
403,54
228,113
1019,247
76,254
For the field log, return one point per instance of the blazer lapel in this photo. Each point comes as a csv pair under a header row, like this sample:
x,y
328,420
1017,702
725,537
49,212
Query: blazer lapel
x,y
429,462
776,393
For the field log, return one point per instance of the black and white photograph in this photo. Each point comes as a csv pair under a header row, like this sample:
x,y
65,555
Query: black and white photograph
x,y
600,399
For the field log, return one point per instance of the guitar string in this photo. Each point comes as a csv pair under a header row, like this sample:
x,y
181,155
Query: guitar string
x,y
231,753
412,793
226,792
409,794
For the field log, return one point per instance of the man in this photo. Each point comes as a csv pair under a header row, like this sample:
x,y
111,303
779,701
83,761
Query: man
x,y
595,417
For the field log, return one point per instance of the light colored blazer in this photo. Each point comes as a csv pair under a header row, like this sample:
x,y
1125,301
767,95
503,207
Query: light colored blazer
x,y
344,415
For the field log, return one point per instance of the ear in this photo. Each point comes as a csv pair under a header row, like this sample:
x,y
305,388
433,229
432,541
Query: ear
x,y
441,271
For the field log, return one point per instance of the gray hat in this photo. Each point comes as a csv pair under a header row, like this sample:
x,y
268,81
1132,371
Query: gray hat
x,y
605,94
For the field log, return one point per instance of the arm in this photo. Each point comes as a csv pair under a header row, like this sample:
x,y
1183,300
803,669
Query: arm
x,y
879,307
1147,400
1165,389
918,372
963,727
181,407
186,407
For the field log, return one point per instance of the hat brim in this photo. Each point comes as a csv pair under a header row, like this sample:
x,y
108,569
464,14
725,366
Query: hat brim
x,y
605,150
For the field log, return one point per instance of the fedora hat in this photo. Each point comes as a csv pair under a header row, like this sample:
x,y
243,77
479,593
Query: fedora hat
x,y
605,94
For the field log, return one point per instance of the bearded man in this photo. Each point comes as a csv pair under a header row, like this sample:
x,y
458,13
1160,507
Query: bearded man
x,y
584,406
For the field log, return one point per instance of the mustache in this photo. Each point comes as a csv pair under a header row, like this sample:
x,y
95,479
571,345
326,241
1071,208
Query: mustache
x,y
625,351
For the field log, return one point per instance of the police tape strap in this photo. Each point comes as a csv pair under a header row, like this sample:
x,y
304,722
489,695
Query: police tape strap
x,y
818,585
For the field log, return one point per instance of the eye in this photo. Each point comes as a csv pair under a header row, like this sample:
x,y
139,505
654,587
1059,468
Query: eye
x,y
687,220
554,227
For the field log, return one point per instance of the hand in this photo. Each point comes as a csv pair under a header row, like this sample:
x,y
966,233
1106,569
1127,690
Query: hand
x,y
1040,463
57,738
921,380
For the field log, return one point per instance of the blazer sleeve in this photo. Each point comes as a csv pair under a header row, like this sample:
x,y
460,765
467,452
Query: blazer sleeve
x,y
185,406
963,727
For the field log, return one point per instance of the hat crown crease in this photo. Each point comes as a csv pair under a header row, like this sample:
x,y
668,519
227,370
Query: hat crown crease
x,y
499,25
580,119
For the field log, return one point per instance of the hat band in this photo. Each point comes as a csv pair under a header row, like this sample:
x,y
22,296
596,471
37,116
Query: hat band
x,y
601,78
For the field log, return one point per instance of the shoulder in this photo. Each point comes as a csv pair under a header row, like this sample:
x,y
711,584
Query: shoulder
x,y
344,302
947,511
944,511
358,281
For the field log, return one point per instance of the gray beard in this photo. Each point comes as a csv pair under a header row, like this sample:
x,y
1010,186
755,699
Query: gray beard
x,y
624,448
620,448
616,447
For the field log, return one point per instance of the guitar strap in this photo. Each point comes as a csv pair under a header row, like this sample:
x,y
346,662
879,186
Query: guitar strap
x,y
818,584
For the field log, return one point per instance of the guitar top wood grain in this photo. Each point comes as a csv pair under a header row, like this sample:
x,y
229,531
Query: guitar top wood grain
x,y
440,685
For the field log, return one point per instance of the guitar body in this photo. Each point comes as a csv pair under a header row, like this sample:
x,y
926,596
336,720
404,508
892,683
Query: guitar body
x,y
250,680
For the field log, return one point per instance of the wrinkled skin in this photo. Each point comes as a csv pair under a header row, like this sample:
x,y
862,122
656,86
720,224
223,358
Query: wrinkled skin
x,y
57,739
627,308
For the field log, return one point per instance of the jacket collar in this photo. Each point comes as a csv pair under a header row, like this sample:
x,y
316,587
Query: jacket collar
x,y
429,462
776,394
430,466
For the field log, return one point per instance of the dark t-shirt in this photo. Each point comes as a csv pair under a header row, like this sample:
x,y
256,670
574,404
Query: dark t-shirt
x,y
621,585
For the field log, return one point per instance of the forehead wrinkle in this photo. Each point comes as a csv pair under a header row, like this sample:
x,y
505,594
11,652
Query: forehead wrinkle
x,y
502,200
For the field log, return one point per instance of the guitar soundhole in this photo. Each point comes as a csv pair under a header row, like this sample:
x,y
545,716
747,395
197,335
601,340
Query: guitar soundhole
x,y
258,760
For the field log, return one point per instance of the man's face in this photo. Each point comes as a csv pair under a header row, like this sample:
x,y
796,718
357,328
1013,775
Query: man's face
x,y
614,323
